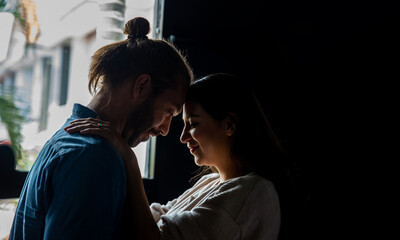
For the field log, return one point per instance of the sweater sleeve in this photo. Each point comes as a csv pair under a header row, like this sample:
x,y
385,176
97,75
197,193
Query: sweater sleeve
x,y
246,208
204,222
157,209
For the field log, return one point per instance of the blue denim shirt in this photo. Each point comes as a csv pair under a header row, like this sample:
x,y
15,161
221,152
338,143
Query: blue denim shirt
x,y
75,189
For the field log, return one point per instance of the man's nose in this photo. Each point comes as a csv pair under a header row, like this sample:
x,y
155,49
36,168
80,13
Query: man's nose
x,y
164,127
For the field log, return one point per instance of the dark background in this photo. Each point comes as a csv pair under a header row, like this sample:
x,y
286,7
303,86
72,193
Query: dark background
x,y
325,74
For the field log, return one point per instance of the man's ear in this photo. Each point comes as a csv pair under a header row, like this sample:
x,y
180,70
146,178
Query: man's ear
x,y
230,124
142,86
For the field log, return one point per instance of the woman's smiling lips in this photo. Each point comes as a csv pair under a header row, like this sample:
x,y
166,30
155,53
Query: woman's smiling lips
x,y
193,148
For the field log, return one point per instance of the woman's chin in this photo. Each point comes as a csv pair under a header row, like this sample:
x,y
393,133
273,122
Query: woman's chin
x,y
198,161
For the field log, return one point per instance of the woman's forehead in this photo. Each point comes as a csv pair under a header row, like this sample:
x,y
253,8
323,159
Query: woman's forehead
x,y
190,109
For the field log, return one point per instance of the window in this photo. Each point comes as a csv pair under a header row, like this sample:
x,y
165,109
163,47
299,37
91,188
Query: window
x,y
63,90
54,70
44,106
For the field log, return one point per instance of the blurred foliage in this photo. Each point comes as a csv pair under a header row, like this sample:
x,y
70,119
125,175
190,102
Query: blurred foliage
x,y
27,159
11,116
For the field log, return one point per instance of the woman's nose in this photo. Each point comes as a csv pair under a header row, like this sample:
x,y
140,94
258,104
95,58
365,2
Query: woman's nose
x,y
185,136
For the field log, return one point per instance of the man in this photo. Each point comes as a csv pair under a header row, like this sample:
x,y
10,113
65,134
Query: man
x,y
76,188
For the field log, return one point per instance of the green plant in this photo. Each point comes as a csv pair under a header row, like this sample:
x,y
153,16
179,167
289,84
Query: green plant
x,y
12,117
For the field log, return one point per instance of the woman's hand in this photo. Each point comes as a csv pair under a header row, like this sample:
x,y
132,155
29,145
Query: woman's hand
x,y
104,129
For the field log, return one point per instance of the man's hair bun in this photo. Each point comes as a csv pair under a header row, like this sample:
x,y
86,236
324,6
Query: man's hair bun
x,y
137,28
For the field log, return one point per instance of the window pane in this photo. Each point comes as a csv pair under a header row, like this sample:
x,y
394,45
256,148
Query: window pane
x,y
65,52
53,71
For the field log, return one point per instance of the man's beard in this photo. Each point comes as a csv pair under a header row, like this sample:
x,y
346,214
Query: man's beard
x,y
139,121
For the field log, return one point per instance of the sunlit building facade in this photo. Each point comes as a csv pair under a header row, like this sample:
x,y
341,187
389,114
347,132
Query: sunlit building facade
x,y
48,58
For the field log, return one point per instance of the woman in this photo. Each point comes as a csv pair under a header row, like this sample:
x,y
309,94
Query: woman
x,y
230,137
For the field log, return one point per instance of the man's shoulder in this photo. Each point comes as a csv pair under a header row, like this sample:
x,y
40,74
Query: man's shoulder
x,y
64,143
64,149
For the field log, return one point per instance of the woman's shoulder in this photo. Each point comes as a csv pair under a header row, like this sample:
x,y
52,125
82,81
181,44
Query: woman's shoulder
x,y
208,178
247,180
260,186
241,188
238,188
236,193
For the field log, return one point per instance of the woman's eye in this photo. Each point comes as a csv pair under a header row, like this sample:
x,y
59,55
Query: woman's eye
x,y
192,125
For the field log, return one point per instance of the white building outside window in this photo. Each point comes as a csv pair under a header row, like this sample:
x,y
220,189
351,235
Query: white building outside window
x,y
53,75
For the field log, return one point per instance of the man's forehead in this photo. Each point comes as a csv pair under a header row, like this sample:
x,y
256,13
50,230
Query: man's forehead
x,y
175,98
178,108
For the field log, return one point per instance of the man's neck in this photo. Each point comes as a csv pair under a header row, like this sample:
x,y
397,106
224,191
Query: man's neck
x,y
109,111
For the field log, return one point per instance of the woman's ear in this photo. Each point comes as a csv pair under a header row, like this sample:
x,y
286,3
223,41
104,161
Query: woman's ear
x,y
230,124
142,86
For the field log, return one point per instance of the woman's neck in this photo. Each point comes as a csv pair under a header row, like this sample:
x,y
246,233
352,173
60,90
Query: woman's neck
x,y
231,170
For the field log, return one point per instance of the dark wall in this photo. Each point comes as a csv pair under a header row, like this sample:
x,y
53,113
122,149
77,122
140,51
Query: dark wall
x,y
11,180
323,72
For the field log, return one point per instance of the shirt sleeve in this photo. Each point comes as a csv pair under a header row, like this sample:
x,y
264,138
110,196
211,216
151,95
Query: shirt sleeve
x,y
86,197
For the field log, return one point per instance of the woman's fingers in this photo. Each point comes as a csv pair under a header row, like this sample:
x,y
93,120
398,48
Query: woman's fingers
x,y
92,126
106,133
78,127
86,123
94,129
93,121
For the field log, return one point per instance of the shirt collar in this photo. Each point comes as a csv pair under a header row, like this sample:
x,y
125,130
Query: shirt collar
x,y
81,111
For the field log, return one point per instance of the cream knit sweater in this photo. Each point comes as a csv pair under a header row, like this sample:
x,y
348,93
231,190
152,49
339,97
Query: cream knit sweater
x,y
246,207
